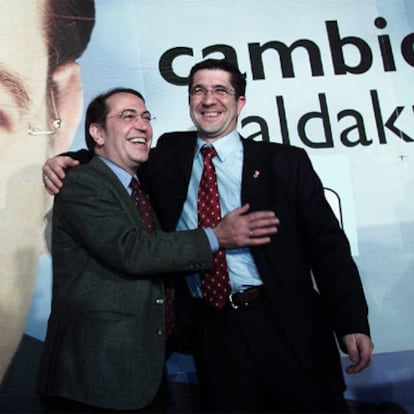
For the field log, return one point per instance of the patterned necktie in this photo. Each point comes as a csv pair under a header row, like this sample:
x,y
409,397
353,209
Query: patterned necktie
x,y
215,284
143,205
146,213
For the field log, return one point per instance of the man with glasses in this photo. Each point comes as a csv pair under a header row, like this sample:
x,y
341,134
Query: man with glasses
x,y
271,346
106,341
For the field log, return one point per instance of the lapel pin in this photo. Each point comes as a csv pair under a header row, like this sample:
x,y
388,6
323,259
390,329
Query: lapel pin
x,y
256,174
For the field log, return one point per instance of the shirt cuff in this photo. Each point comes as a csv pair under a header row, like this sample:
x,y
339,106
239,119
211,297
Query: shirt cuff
x,y
212,238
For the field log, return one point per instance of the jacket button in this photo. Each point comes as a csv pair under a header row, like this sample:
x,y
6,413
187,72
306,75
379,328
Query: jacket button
x,y
159,332
159,301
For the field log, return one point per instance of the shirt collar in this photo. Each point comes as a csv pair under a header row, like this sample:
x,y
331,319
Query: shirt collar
x,y
123,176
224,146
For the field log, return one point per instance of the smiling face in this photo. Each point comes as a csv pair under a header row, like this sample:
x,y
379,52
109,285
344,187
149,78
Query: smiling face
x,y
127,136
214,116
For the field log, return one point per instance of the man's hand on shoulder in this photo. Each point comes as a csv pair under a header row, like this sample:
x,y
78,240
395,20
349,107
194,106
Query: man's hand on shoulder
x,y
54,172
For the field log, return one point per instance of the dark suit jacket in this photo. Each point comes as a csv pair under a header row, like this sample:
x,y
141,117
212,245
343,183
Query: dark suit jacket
x,y
105,344
281,178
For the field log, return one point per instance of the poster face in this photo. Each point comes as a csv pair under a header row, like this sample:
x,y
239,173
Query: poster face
x,y
40,86
333,77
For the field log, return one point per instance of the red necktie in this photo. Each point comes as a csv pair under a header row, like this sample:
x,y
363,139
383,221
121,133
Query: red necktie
x,y
143,205
215,284
146,213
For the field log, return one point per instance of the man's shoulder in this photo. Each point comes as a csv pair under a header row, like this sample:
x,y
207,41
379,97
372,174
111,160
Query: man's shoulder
x,y
175,137
91,181
274,148
86,174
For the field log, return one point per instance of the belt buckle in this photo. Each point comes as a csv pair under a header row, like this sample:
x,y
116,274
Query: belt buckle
x,y
233,305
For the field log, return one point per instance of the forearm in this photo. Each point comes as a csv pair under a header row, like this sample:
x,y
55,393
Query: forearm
x,y
82,155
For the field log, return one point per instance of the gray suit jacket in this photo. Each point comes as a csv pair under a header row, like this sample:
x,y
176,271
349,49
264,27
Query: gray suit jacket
x,y
105,343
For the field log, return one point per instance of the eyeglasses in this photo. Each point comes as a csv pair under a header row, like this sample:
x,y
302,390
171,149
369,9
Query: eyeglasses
x,y
32,130
55,123
217,91
129,116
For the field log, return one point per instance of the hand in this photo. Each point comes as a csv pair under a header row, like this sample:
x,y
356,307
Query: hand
x,y
359,347
54,172
240,228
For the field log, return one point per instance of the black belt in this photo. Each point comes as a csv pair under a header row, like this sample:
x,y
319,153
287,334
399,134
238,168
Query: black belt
x,y
244,298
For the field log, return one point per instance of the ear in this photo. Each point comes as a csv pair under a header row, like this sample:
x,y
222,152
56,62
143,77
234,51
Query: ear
x,y
240,104
95,130
68,96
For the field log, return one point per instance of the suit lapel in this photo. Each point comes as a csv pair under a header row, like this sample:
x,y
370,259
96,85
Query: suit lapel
x,y
255,176
185,158
104,171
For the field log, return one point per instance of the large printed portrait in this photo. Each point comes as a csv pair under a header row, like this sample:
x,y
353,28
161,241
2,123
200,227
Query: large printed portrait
x,y
41,103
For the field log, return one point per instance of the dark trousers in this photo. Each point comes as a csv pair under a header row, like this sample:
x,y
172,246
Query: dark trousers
x,y
160,404
246,364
